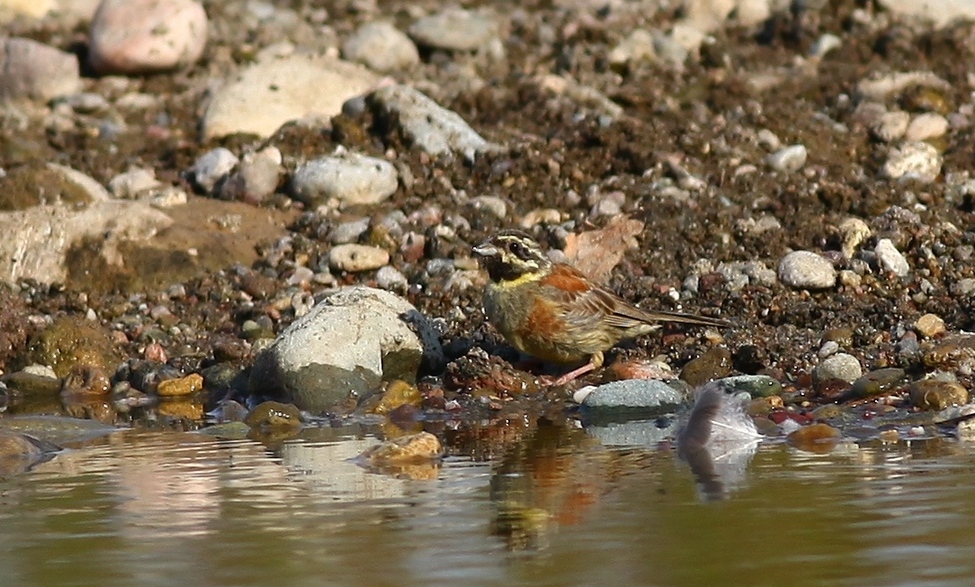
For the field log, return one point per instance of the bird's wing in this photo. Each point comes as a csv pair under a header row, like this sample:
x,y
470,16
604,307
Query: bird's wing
x,y
588,303
585,304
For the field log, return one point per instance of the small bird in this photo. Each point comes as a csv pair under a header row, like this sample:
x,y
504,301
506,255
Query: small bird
x,y
553,312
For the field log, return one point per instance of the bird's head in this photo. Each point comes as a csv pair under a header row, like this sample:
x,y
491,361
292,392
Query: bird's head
x,y
510,255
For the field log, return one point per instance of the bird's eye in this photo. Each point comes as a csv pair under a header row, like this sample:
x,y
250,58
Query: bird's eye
x,y
517,248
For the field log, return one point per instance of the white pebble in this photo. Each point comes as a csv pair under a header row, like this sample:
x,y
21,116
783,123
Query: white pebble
x,y
929,125
213,166
382,47
890,259
807,270
913,160
789,159
391,278
352,179
843,366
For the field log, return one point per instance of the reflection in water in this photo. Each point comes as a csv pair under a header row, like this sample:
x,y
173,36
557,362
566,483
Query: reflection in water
x,y
176,508
553,477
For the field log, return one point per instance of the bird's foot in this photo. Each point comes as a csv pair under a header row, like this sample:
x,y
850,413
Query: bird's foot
x,y
548,381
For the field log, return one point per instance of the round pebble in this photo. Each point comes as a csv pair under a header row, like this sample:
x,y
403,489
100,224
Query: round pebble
x,y
382,47
788,160
842,366
492,205
913,160
454,29
354,258
143,36
352,179
890,259
805,269
391,278
256,177
929,125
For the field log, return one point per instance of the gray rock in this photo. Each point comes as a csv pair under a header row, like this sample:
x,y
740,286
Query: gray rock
x,y
347,344
213,166
631,394
890,259
672,47
382,47
913,160
879,87
491,204
391,278
29,69
348,232
842,366
276,90
351,179
426,124
806,270
788,160
755,385
256,177
455,29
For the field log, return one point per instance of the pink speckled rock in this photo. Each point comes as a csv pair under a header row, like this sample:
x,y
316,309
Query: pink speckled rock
x,y
144,36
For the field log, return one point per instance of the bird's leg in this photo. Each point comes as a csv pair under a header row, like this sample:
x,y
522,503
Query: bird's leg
x,y
595,361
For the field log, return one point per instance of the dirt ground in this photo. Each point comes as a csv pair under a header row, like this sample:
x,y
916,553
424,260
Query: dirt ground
x,y
703,117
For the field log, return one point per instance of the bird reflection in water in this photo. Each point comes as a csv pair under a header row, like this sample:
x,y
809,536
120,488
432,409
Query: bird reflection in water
x,y
552,478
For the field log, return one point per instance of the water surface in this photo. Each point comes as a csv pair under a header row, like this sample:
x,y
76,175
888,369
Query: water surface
x,y
556,506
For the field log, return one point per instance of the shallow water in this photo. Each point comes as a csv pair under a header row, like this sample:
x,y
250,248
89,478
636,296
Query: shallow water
x,y
558,506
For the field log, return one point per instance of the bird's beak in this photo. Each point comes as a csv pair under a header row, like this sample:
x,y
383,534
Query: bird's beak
x,y
486,249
